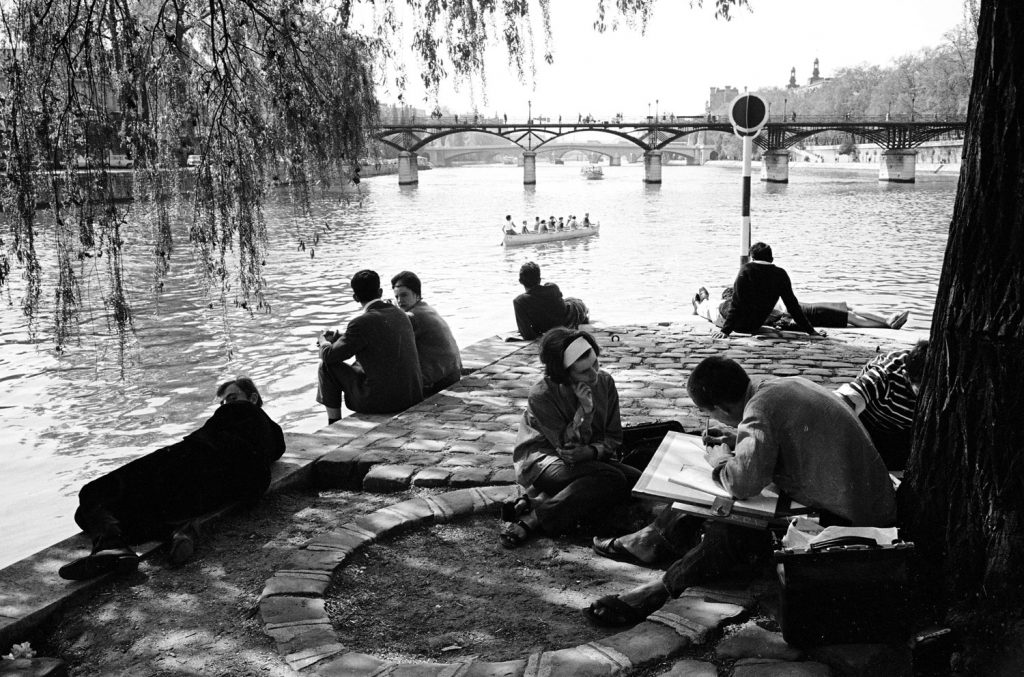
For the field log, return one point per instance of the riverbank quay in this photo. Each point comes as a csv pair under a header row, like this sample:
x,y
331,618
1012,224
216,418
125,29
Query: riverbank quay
x,y
262,574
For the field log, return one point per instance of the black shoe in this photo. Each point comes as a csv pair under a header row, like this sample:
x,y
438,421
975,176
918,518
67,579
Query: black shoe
x,y
183,544
112,560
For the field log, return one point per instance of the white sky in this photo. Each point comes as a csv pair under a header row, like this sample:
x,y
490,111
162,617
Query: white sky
x,y
685,51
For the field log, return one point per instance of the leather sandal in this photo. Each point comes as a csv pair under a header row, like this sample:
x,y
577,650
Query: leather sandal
x,y
611,612
514,534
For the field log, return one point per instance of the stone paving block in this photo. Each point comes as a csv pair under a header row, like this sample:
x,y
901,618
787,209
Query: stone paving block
x,y
502,669
283,611
504,476
753,641
346,539
877,660
313,655
296,584
386,478
389,443
761,667
468,447
424,445
313,560
690,668
469,477
694,617
739,597
382,521
585,660
350,665
646,642
427,670
292,639
466,461
453,504
470,435
431,477
33,667
334,469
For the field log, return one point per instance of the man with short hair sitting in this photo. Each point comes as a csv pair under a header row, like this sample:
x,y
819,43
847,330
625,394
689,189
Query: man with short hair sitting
x,y
386,375
541,306
758,287
789,431
440,361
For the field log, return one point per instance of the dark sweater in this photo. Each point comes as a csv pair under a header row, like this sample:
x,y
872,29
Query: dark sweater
x,y
538,309
758,287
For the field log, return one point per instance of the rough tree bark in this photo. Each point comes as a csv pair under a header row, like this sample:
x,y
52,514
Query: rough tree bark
x,y
966,473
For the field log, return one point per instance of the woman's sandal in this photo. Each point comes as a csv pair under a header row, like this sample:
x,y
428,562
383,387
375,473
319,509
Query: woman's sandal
x,y
612,612
514,534
513,510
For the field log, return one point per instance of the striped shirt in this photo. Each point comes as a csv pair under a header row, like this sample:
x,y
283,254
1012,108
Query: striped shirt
x,y
884,386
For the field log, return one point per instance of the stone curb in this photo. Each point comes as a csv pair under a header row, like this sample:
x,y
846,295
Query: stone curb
x,y
292,608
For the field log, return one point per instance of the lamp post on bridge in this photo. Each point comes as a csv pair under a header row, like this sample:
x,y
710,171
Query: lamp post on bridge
x,y
655,110
784,102
913,98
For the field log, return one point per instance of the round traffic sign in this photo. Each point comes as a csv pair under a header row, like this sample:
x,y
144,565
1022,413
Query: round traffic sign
x,y
748,114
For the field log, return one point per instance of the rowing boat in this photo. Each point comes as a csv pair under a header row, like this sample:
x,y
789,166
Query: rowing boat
x,y
550,236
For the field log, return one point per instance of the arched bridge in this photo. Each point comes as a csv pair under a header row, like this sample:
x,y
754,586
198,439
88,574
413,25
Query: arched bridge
x,y
653,136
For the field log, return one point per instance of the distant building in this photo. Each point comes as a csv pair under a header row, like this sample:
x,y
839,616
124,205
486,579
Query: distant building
x,y
813,82
719,99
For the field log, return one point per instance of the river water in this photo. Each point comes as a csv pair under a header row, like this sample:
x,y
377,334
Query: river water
x,y
840,233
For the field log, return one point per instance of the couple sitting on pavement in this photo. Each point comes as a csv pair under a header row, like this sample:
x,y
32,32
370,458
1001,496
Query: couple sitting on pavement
x,y
751,303
541,306
402,353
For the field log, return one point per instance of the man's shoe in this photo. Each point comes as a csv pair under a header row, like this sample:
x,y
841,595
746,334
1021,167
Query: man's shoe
x,y
183,544
111,560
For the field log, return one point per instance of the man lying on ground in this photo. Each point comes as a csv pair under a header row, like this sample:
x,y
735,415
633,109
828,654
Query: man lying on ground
x,y
789,431
158,496
837,314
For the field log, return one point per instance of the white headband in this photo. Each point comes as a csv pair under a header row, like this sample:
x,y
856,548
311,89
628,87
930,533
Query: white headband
x,y
575,351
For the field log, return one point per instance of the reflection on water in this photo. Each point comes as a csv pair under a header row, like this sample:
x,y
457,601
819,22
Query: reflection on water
x,y
841,235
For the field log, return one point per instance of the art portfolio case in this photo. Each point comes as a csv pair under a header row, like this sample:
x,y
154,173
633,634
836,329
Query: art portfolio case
x,y
845,592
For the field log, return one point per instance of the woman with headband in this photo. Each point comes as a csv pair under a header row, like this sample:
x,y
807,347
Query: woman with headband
x,y
565,454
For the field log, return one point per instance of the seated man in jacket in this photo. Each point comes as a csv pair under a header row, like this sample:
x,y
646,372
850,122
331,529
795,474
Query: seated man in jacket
x,y
789,431
386,376
758,287
156,497
440,361
541,306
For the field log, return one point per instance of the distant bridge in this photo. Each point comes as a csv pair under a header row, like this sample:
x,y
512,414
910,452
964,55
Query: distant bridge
x,y
896,135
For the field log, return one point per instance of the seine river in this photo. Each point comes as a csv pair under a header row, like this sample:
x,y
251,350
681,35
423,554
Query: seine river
x,y
64,420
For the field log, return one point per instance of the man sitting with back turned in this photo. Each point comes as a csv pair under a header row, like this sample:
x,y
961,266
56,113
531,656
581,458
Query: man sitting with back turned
x,y
386,376
789,431
440,361
541,306
160,495
758,287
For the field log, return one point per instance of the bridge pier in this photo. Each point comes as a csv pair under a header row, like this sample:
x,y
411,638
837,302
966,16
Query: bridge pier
x,y
897,165
614,161
652,166
775,166
408,171
529,168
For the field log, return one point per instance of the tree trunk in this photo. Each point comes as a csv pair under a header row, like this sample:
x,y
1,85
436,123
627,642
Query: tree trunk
x,y
966,473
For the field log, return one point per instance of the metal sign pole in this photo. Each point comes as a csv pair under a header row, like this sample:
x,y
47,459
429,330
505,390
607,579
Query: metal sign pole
x,y
748,115
748,148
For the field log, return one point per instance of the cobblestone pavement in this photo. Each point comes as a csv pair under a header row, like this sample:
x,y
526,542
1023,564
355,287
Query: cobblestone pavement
x,y
462,439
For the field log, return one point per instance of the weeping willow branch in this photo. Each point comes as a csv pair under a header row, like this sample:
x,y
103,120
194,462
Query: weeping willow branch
x,y
257,88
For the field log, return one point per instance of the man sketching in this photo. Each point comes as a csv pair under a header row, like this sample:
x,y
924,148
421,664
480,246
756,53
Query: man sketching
x,y
789,431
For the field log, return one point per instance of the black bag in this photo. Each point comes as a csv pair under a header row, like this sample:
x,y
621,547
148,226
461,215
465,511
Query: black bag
x,y
845,591
639,442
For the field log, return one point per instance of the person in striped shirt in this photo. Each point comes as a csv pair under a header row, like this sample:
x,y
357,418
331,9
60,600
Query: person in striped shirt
x,y
884,396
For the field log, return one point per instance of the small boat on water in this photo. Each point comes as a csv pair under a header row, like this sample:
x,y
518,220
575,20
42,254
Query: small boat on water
x,y
592,172
520,239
